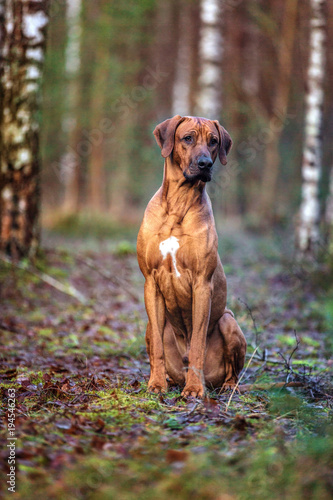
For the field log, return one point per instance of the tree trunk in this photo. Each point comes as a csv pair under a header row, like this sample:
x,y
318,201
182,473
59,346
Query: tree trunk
x,y
122,171
22,53
96,180
329,213
307,233
182,82
70,162
209,97
279,111
164,57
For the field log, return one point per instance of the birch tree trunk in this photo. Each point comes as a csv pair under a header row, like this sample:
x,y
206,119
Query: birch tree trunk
x,y
22,56
307,233
209,98
70,162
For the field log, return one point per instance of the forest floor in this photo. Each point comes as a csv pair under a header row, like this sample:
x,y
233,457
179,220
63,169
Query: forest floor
x,y
85,425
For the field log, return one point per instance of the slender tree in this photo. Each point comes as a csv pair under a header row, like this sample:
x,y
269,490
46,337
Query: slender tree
x,y
307,232
209,98
329,212
96,182
182,81
164,57
22,55
70,163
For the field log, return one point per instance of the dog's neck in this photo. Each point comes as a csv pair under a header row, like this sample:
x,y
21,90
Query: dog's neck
x,y
179,194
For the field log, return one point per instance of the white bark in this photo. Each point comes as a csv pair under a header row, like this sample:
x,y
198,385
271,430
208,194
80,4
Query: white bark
x,y
182,81
210,53
22,52
308,229
73,13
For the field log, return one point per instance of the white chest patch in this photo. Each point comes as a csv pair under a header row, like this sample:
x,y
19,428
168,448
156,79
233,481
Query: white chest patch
x,y
170,246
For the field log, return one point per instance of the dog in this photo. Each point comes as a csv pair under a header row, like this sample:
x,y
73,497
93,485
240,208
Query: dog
x,y
192,339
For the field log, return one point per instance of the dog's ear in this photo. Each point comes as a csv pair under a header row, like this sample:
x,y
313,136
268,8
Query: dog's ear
x,y
225,142
165,134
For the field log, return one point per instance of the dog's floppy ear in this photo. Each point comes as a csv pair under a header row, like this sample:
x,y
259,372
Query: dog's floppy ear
x,y
225,142
165,134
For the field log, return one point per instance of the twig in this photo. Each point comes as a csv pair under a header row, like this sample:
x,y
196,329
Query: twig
x,y
66,289
295,348
238,382
287,363
249,310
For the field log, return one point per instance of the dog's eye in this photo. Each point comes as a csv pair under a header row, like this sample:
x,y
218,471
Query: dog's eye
x,y
188,138
213,141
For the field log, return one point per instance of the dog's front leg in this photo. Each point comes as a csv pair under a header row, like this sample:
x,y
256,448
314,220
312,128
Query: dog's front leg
x,y
201,304
155,307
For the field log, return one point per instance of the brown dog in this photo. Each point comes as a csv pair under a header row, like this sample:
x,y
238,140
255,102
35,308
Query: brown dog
x,y
191,337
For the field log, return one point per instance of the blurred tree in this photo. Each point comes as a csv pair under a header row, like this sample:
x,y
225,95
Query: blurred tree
x,y
96,170
209,98
329,213
185,58
70,162
209,92
307,232
165,22
22,53
277,114
101,69
53,136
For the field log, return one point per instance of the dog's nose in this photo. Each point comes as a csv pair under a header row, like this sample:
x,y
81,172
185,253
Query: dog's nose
x,y
204,162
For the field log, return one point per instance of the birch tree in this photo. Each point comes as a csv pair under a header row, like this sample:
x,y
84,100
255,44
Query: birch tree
x,y
210,55
22,52
307,234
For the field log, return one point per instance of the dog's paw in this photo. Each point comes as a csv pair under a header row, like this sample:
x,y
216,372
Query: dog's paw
x,y
157,386
229,386
194,390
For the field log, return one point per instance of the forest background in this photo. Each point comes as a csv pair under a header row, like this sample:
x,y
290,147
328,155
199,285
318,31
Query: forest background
x,y
115,70
72,317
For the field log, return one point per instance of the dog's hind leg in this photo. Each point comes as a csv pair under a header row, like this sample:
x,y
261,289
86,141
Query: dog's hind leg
x,y
234,348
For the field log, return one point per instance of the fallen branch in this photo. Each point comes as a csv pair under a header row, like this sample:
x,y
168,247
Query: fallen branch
x,y
66,289
268,387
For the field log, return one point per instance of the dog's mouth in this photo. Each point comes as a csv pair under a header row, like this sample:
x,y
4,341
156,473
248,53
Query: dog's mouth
x,y
193,174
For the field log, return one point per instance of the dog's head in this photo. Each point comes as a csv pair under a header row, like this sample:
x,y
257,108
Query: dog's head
x,y
194,144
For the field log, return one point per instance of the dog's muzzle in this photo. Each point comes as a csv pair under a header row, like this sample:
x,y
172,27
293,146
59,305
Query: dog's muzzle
x,y
205,164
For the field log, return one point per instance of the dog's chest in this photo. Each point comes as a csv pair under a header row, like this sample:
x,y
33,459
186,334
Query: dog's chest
x,y
169,260
170,247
